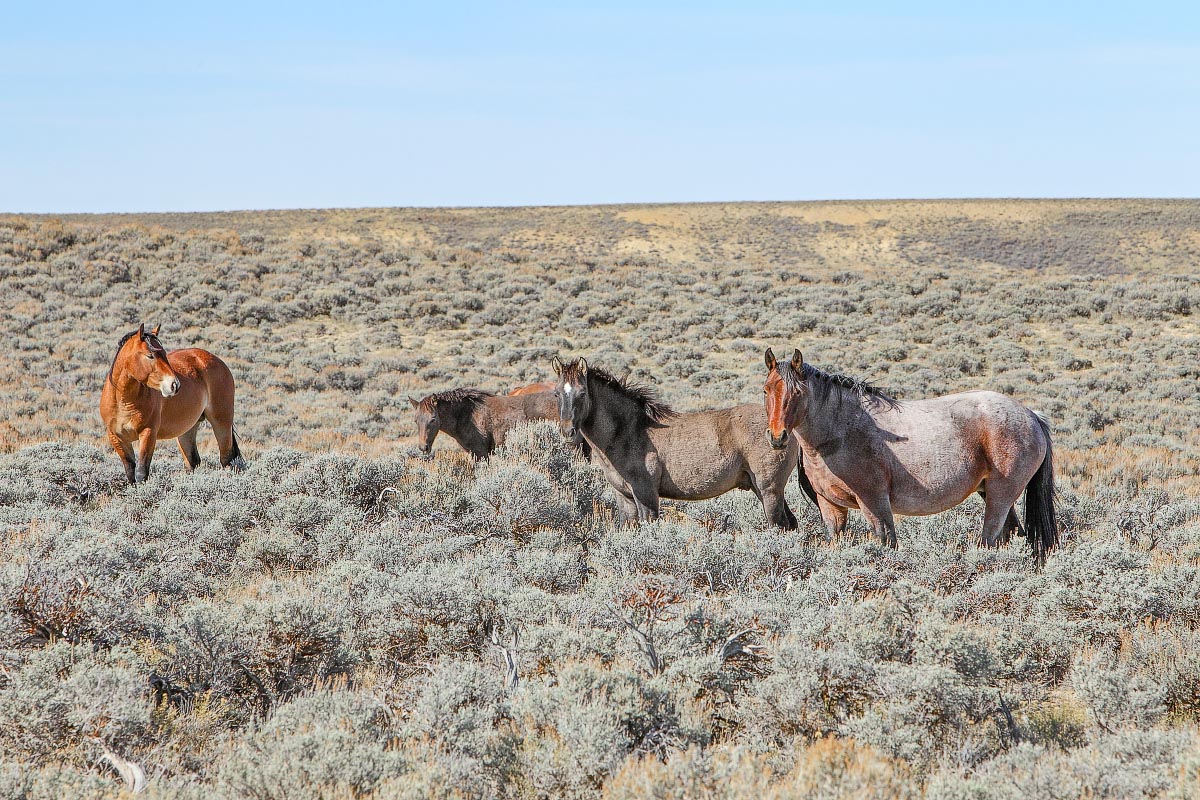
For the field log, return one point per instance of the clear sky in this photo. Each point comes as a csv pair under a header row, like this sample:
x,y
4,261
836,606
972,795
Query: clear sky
x,y
170,106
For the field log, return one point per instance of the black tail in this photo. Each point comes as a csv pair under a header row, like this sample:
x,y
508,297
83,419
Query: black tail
x,y
235,459
1041,527
802,479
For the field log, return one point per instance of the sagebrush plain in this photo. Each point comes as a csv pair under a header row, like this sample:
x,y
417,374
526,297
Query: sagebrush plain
x,y
346,619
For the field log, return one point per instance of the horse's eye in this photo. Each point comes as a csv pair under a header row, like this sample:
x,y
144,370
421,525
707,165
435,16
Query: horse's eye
x,y
556,393
150,356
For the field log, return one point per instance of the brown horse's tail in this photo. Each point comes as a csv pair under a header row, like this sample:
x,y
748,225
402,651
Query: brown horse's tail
x,y
802,479
1041,526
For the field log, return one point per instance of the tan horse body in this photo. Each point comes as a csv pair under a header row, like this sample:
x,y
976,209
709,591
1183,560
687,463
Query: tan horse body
x,y
649,452
151,395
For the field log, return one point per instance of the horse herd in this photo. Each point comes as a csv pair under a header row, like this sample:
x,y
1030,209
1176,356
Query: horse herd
x,y
851,445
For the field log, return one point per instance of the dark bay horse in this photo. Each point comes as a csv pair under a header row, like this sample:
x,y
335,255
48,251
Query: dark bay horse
x,y
477,420
862,449
151,395
648,451
533,388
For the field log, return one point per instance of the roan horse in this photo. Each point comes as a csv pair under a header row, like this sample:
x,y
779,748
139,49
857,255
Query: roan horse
x,y
477,420
648,451
863,449
151,395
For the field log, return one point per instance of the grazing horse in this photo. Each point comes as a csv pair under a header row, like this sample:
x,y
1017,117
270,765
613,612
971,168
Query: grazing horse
x,y
477,420
648,451
863,449
533,388
151,395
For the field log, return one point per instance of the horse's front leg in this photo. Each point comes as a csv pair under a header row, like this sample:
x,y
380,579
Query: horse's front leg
x,y
878,512
645,489
834,517
145,452
124,451
628,507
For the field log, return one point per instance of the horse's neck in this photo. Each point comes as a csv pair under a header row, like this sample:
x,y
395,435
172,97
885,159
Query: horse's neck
x,y
613,414
828,419
464,426
129,389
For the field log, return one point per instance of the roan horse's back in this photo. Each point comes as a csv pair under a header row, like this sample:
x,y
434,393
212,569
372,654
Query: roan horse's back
x,y
945,447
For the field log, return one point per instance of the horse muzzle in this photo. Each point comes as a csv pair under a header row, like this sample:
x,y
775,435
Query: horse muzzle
x,y
780,443
169,387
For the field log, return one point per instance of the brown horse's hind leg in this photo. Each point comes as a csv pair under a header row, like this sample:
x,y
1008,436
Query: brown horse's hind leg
x,y
231,453
187,447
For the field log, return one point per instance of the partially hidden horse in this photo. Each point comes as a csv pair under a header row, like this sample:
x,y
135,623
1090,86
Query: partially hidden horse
x,y
151,395
533,388
648,451
479,421
863,449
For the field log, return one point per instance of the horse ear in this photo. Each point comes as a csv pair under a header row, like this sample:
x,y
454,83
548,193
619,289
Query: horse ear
x,y
797,359
557,364
769,358
582,367
141,330
157,328
414,401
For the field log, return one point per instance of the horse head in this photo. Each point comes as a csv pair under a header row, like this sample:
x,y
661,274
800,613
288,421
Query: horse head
x,y
784,395
428,423
143,357
574,399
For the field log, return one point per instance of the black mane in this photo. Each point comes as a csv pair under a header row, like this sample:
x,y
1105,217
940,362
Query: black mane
x,y
120,344
652,406
474,397
823,382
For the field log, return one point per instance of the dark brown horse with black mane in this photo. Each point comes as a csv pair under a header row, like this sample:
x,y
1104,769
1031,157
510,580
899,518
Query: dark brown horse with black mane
x,y
863,449
648,451
477,420
151,395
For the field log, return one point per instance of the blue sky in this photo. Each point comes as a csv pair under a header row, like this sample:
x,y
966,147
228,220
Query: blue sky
x,y
149,107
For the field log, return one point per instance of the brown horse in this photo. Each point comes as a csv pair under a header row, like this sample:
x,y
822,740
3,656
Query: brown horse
x,y
533,388
477,420
151,395
648,451
862,449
